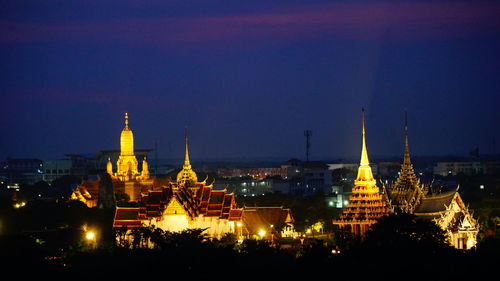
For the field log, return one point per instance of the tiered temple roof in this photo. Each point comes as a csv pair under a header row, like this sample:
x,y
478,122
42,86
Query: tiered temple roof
x,y
196,199
407,191
446,208
207,203
366,203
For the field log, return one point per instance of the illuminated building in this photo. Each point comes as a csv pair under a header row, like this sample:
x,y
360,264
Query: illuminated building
x,y
275,221
127,179
184,204
169,204
366,203
447,209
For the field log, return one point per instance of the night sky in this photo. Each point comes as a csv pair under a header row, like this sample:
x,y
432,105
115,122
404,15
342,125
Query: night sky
x,y
248,77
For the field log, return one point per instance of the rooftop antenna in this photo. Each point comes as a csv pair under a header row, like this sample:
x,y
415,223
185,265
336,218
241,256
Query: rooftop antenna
x,y
308,134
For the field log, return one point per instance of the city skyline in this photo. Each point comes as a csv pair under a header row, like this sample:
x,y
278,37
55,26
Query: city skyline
x,y
249,78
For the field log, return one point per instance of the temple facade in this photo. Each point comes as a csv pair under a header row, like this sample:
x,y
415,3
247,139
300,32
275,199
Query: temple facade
x,y
446,208
176,204
185,203
125,175
366,203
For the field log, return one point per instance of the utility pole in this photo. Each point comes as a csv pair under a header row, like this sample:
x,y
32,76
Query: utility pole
x,y
308,134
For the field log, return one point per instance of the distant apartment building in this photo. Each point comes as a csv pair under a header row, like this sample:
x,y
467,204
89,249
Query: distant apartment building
x,y
352,167
55,169
78,165
455,168
245,186
256,173
307,178
468,168
21,170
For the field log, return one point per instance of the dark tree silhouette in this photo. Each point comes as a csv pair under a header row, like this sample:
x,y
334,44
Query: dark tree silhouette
x,y
406,231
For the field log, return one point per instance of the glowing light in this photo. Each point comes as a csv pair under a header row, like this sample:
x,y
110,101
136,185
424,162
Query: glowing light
x,y
262,233
19,205
238,224
90,235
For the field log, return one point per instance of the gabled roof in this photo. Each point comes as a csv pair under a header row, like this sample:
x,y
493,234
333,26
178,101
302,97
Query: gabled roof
x,y
435,203
257,218
202,201
127,217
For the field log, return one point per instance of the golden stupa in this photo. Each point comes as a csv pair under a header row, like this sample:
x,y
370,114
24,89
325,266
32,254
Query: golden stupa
x,y
366,204
187,177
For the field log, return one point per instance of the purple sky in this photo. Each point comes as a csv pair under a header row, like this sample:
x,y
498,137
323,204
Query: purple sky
x,y
247,77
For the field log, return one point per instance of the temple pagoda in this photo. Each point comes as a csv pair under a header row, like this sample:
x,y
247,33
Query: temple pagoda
x,y
407,192
126,178
445,207
366,203
184,204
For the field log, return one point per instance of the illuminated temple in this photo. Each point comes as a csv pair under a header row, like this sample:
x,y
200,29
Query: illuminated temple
x,y
184,204
366,203
126,179
408,195
176,204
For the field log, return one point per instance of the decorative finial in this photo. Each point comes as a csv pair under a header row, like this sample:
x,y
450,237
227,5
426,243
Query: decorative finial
x,y
406,159
364,153
365,175
363,121
187,164
406,121
126,119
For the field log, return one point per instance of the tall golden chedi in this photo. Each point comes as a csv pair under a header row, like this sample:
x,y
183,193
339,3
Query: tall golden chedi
x,y
366,203
127,162
127,179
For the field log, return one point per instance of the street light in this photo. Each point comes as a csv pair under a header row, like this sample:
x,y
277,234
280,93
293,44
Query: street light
x,y
90,237
240,230
272,233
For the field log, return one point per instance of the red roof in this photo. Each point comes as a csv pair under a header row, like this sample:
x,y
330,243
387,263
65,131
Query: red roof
x,y
203,201
127,217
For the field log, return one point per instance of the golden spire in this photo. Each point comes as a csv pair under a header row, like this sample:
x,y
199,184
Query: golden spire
x,y
186,175
109,167
126,120
365,175
145,168
127,162
407,178
406,159
187,164
127,139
